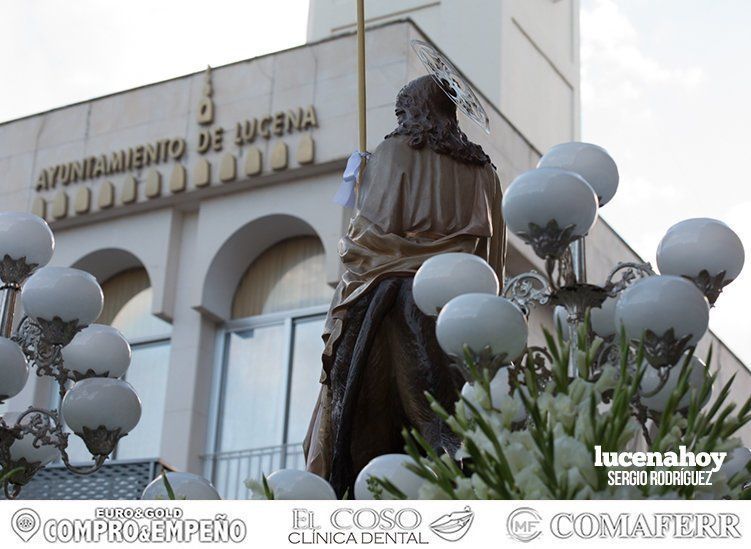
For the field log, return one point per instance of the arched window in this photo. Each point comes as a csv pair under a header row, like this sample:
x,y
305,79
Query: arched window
x,y
271,363
285,277
127,307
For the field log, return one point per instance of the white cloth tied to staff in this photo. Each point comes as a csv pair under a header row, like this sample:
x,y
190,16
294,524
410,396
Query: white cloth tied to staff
x,y
345,196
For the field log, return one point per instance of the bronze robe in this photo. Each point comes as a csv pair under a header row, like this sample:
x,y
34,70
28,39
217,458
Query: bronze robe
x,y
412,204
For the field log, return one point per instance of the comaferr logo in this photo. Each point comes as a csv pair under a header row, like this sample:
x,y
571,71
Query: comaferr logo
x,y
524,524
640,525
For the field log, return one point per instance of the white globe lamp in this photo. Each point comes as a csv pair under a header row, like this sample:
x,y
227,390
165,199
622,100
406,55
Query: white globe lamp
x,y
480,321
499,393
602,318
591,162
68,294
663,311
737,462
294,484
549,208
443,277
14,370
97,350
185,486
705,250
391,467
27,237
101,402
657,400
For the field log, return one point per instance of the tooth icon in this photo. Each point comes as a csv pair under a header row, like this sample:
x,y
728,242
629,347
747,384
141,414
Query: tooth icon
x,y
25,523
454,526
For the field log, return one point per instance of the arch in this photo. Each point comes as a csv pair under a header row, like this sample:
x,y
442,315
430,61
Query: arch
x,y
147,240
128,306
122,276
107,262
237,252
288,275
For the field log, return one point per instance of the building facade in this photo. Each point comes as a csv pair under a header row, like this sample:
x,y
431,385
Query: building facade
x,y
203,205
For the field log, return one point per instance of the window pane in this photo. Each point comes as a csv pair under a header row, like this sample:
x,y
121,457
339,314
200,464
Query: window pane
x,y
135,320
148,375
306,372
254,389
120,289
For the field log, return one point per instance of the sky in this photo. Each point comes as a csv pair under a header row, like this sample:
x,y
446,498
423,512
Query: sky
x,y
665,88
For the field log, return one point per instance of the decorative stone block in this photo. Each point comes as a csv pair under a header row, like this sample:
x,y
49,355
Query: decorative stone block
x,y
82,202
106,195
202,173
279,156
130,190
228,168
39,207
153,184
60,205
306,149
178,179
253,163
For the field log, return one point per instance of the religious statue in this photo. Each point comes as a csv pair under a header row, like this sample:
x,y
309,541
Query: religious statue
x,y
426,190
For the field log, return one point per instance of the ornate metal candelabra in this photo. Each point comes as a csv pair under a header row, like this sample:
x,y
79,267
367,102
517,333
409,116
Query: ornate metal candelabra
x,y
552,209
576,296
56,339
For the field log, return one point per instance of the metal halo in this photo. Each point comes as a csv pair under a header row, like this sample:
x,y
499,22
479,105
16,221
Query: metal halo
x,y
452,83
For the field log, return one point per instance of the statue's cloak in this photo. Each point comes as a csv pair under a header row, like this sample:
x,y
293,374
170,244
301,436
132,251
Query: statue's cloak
x,y
412,204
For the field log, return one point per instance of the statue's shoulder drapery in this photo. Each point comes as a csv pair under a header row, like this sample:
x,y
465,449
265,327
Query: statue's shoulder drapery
x,y
413,204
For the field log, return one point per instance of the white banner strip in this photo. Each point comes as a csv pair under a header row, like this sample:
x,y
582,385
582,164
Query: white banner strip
x,y
271,524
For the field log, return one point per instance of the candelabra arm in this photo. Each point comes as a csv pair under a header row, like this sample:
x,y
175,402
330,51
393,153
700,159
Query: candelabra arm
x,y
630,272
44,425
11,493
42,342
91,469
44,429
526,290
47,430
531,368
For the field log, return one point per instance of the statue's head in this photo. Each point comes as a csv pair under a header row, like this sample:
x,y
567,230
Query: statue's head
x,y
427,117
420,96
